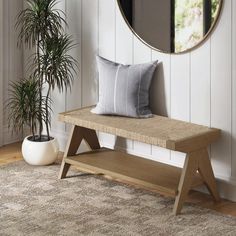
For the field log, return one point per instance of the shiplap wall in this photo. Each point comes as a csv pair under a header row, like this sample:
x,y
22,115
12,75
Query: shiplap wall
x,y
1,72
11,62
199,86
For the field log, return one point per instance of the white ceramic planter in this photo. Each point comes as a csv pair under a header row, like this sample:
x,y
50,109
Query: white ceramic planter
x,y
40,153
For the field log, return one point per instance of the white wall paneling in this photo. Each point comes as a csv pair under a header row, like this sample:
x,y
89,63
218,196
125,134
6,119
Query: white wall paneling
x,y
233,164
6,55
82,18
11,63
198,86
74,13
124,39
180,95
161,94
89,50
58,97
221,94
142,54
200,79
1,72
107,48
124,53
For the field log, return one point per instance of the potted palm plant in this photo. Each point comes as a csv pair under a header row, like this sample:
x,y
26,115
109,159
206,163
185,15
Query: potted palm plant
x,y
51,66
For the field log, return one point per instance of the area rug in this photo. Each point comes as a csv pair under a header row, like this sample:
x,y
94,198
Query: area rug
x,y
34,202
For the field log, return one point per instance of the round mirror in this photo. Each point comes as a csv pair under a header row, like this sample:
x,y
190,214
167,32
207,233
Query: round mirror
x,y
171,26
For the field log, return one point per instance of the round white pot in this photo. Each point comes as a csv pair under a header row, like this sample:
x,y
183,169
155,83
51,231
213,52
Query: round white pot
x,y
40,153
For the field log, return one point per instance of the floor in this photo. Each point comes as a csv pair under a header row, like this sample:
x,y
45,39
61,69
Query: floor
x,y
12,153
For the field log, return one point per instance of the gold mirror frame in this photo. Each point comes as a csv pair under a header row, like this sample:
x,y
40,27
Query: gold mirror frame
x,y
211,30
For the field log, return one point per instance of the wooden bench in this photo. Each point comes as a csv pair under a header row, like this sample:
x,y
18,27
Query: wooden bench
x,y
160,131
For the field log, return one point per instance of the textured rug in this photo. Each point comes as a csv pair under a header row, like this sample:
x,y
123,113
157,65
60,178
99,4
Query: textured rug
x,y
34,202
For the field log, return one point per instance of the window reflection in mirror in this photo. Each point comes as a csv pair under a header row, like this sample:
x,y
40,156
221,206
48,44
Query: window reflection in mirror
x,y
193,20
171,25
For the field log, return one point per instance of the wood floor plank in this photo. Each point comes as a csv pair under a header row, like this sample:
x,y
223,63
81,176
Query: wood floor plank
x,y
10,153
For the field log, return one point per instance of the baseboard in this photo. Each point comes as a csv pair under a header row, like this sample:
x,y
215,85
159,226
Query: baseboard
x,y
227,189
226,185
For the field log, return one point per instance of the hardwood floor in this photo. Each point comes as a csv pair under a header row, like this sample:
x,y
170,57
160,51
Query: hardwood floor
x,y
12,153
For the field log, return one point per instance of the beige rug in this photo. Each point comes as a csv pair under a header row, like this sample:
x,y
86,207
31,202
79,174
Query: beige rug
x,y
34,202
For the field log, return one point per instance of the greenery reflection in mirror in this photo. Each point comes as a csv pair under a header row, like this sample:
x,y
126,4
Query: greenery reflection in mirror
x,y
171,26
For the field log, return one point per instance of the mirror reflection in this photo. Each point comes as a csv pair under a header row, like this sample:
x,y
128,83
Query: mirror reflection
x,y
171,26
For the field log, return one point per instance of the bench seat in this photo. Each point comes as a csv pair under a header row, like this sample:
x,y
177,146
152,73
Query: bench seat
x,y
161,131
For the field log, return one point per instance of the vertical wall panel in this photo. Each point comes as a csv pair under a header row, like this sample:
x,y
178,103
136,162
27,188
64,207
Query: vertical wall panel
x,y
142,54
6,53
221,91
180,95
107,48
180,87
107,27
70,99
160,97
89,50
124,40
73,13
200,84
124,55
73,10
233,26
1,73
58,98
12,63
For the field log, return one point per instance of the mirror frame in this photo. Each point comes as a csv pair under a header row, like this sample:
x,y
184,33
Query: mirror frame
x,y
211,30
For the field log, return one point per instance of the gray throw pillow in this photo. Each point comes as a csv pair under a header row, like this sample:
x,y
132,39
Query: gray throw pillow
x,y
124,89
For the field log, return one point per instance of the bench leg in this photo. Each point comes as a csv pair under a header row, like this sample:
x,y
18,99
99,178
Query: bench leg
x,y
205,169
190,167
198,160
64,169
76,136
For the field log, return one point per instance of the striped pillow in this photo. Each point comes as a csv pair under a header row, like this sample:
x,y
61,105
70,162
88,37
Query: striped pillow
x,y
124,89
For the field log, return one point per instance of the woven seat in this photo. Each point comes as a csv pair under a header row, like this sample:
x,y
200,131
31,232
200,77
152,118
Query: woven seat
x,y
160,131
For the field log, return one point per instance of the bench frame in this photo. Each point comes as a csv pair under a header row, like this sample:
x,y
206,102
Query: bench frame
x,y
196,161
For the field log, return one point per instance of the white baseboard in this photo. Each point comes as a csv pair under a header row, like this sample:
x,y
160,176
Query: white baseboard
x,y
226,185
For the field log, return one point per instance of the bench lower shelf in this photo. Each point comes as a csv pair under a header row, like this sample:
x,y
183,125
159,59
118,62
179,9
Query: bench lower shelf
x,y
137,170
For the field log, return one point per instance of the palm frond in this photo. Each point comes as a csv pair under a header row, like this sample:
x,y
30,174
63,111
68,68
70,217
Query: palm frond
x,y
58,67
40,19
24,104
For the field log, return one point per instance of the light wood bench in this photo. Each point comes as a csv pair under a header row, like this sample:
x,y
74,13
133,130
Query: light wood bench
x,y
160,131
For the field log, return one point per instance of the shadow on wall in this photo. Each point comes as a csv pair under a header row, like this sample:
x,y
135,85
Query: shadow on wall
x,y
158,102
121,143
